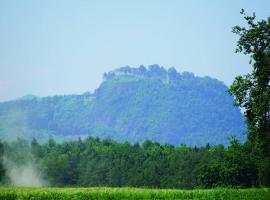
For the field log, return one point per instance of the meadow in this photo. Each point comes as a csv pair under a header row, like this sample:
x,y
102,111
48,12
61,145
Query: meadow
x,y
10,193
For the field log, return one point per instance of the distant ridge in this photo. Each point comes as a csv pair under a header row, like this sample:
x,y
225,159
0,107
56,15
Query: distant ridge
x,y
28,97
131,104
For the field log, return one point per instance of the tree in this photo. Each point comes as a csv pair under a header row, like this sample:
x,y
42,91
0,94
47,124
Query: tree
x,y
252,91
2,169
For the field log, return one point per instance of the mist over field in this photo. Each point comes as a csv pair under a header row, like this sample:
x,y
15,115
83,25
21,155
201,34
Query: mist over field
x,y
23,175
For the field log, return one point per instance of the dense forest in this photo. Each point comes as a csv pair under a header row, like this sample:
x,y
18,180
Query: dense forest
x,y
131,104
95,162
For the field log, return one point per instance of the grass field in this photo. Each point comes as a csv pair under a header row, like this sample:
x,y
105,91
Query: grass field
x,y
9,193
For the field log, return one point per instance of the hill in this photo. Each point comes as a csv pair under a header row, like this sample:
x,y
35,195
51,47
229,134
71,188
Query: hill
x,y
132,104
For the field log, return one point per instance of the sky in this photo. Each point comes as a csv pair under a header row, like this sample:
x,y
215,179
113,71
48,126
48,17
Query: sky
x,y
64,47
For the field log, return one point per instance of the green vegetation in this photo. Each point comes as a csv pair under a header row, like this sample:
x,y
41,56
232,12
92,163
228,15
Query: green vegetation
x,y
93,162
131,193
252,91
131,104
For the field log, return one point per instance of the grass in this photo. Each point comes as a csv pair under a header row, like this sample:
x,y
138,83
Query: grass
x,y
10,193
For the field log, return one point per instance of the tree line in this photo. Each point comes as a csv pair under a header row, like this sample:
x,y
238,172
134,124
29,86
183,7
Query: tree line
x,y
95,162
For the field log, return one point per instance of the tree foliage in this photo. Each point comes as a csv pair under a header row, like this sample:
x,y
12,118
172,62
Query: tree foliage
x,y
252,91
95,162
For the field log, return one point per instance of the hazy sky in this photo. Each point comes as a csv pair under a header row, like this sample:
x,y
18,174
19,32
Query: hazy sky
x,y
64,47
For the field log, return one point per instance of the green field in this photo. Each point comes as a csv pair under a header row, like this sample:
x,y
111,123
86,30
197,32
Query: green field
x,y
9,193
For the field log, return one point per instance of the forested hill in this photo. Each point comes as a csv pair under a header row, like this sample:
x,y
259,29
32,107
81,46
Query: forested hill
x,y
131,104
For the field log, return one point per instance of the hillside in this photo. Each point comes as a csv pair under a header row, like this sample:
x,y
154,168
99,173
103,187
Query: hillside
x,y
131,104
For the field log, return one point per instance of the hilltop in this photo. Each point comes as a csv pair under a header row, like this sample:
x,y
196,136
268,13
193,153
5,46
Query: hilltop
x,y
131,104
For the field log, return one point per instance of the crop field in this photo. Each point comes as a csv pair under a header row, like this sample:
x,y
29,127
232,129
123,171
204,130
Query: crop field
x,y
9,193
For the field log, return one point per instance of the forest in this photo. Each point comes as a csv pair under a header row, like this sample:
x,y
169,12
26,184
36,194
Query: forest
x,y
95,162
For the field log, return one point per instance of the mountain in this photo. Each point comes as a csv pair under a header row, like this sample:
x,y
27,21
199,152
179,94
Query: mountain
x,y
132,104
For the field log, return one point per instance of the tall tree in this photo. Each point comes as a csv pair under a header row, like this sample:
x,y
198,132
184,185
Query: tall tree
x,y
252,91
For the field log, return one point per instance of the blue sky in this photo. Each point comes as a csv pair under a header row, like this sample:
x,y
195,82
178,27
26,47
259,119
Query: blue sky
x,y
64,47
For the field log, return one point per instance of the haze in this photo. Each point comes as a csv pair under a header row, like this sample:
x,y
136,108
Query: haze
x,y
64,47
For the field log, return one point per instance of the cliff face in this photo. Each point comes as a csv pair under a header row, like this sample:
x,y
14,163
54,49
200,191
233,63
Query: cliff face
x,y
153,71
132,104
